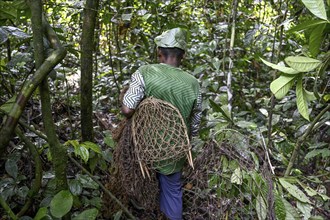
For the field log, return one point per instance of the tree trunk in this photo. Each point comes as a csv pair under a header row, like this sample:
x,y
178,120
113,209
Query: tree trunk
x,y
58,152
86,84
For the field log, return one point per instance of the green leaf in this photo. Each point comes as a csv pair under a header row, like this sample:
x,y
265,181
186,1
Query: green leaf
x,y
294,190
118,215
246,124
6,107
199,69
317,8
261,208
305,209
280,211
94,147
281,86
309,95
315,39
87,182
108,140
74,143
306,25
301,99
22,191
75,187
302,64
61,204
308,190
283,69
237,177
89,214
11,168
42,212
217,108
291,213
82,152
324,152
216,63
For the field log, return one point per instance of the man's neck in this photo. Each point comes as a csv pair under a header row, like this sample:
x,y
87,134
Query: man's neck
x,y
172,62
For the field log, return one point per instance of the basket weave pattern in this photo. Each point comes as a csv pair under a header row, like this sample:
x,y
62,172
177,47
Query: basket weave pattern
x,y
159,133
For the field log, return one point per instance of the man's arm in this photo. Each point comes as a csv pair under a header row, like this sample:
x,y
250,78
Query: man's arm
x,y
134,95
196,116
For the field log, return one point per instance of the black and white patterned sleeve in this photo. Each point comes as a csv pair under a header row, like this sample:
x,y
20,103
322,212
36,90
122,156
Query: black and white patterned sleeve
x,y
196,116
135,92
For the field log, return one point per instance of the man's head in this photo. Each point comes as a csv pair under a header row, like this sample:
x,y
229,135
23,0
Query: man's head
x,y
171,46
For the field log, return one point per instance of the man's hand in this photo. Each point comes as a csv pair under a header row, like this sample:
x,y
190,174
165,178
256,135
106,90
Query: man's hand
x,y
127,112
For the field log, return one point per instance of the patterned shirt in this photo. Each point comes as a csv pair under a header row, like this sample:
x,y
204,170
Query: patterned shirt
x,y
136,93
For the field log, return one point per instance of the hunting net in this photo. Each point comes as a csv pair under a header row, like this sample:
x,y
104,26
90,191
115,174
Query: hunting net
x,y
141,192
159,133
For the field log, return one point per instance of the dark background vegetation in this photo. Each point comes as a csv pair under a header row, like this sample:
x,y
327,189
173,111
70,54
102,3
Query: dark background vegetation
x,y
64,63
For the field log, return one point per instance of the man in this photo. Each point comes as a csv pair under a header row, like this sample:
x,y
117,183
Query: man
x,y
167,82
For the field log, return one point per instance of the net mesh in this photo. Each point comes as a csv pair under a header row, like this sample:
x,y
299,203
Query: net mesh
x,y
159,133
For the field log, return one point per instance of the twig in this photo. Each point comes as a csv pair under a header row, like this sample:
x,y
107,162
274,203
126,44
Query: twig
x,y
272,168
6,207
103,187
38,171
302,139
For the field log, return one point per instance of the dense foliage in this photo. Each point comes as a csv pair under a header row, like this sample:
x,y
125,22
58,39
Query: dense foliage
x,y
264,71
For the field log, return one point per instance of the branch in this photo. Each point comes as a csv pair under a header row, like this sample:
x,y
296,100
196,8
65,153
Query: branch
x,y
6,207
38,172
302,139
26,92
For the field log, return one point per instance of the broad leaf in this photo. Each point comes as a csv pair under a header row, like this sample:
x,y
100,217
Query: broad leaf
x,y
309,95
307,24
308,190
42,212
83,152
3,36
305,209
247,124
11,168
75,187
283,69
281,86
94,147
294,190
216,63
315,39
291,213
16,32
236,177
301,99
217,108
87,182
89,214
7,106
302,64
324,152
108,140
61,204
317,7
261,208
118,215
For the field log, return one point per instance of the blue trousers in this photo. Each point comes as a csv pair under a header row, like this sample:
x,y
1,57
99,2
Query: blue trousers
x,y
170,197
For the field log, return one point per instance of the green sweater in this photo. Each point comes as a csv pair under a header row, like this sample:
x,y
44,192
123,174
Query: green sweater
x,y
177,87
